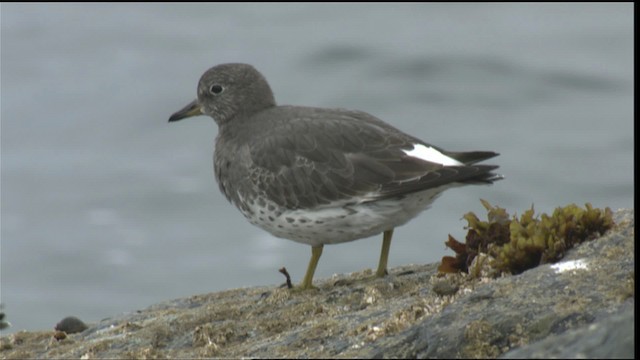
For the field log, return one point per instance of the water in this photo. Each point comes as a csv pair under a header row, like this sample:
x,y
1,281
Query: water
x,y
107,208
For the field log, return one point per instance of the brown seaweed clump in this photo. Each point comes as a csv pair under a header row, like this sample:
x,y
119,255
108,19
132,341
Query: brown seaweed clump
x,y
516,245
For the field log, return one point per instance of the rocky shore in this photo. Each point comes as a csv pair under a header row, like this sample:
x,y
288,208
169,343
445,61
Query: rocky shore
x,y
581,307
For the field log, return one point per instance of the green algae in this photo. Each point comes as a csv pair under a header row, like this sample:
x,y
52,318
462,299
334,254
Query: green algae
x,y
518,244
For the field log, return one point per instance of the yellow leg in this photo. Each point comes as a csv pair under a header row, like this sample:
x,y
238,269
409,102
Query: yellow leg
x,y
316,251
384,254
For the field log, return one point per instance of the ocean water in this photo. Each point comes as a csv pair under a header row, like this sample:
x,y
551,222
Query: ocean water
x,y
107,208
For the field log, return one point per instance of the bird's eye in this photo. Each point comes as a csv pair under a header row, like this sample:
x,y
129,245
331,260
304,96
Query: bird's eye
x,y
216,89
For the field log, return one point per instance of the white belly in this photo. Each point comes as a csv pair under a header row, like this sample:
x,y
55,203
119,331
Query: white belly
x,y
342,223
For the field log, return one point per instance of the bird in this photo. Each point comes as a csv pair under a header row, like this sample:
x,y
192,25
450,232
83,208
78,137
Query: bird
x,y
321,176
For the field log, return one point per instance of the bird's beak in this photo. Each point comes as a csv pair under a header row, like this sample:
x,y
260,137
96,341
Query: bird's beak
x,y
193,109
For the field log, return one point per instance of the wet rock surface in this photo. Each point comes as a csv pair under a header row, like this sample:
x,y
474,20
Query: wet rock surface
x,y
581,307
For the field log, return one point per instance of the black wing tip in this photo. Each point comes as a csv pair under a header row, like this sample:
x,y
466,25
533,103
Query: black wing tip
x,y
492,177
486,175
471,157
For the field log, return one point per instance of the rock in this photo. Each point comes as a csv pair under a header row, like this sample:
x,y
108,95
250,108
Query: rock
x,y
70,325
609,338
582,307
3,322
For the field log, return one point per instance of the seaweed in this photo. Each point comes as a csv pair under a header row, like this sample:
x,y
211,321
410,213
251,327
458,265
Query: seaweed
x,y
518,244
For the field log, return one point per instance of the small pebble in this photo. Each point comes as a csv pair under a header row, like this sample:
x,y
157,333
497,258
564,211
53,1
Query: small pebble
x,y
3,323
60,335
70,325
445,287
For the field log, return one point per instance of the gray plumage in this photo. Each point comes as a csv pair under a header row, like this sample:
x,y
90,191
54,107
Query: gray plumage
x,y
316,175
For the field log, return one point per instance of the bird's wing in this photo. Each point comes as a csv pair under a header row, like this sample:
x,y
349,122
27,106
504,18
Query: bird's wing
x,y
347,157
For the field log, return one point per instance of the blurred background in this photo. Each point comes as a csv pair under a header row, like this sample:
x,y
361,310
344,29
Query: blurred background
x,y
108,208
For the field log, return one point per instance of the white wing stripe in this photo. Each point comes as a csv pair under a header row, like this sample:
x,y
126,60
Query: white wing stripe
x,y
432,155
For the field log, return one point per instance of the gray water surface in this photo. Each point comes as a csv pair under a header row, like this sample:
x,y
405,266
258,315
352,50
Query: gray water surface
x,y
108,208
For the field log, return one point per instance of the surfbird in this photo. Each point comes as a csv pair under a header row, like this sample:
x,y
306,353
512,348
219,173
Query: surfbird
x,y
321,176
